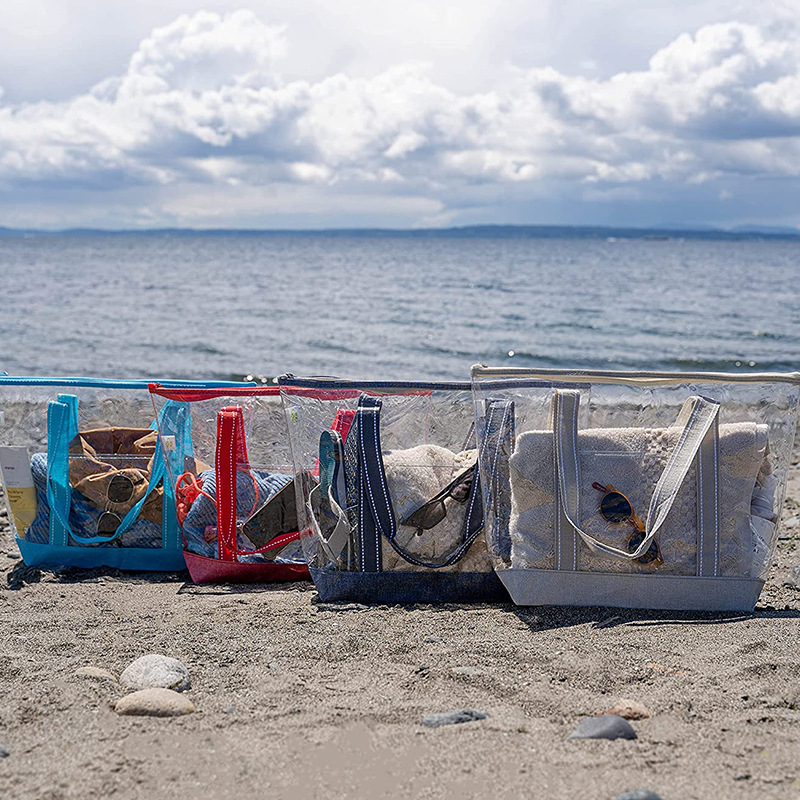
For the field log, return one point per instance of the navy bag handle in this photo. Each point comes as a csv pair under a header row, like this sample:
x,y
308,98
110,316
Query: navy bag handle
x,y
377,517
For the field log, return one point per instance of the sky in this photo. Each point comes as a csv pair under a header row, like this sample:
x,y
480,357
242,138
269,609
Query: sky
x,y
426,113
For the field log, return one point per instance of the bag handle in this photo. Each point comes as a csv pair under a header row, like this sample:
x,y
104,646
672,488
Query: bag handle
x,y
699,416
498,444
378,501
62,427
231,453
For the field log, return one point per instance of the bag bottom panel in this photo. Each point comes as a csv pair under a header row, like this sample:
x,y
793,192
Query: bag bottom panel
x,y
408,587
211,570
541,587
137,559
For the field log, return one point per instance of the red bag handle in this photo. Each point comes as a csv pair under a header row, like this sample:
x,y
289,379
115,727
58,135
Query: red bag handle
x,y
231,453
230,442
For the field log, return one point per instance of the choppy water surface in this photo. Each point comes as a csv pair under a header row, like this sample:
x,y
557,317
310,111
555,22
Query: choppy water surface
x,y
232,305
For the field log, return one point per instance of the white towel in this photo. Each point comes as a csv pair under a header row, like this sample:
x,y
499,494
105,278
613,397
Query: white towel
x,y
415,476
632,459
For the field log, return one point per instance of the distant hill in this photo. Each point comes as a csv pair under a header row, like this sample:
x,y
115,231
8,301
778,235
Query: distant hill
x,y
465,232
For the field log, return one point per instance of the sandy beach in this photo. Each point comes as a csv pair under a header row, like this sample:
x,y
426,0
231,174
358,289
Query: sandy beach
x,y
299,699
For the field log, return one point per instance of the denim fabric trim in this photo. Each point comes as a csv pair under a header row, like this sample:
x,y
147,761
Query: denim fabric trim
x,y
409,587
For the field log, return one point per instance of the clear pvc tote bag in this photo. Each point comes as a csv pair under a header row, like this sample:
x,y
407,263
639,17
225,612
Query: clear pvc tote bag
x,y
233,482
391,507
644,490
84,473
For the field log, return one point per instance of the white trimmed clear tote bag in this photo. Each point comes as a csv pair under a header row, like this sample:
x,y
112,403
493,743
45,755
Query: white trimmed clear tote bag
x,y
639,490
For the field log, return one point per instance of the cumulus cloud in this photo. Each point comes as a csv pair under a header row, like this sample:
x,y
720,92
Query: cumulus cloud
x,y
202,107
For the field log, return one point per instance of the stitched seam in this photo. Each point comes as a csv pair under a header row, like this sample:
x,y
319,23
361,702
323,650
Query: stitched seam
x,y
234,475
716,498
577,488
365,471
557,476
376,515
701,502
378,460
218,471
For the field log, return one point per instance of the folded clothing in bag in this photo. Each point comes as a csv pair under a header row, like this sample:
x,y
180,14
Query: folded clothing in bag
x,y
84,515
413,477
253,489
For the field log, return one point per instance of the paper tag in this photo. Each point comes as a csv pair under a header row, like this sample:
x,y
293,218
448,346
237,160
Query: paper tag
x,y
168,442
20,492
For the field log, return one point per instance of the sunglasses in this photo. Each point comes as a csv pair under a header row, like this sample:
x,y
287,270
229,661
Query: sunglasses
x,y
615,507
119,490
434,510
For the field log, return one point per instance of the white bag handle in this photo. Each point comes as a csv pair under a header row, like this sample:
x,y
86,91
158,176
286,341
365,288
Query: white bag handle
x,y
700,415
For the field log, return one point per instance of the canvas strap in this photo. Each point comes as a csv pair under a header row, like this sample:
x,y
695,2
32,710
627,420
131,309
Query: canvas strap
x,y
698,436
231,453
498,445
377,517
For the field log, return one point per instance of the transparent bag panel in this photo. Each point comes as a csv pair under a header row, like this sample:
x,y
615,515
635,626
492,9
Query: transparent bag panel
x,y
429,457
110,422
627,429
265,497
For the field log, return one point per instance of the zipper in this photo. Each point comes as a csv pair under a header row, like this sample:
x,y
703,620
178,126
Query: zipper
x,y
113,383
644,377
325,382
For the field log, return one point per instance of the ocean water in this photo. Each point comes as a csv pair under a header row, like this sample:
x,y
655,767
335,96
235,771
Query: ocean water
x,y
222,306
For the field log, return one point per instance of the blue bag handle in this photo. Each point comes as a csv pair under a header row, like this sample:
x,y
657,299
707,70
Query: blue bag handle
x,y
61,430
173,416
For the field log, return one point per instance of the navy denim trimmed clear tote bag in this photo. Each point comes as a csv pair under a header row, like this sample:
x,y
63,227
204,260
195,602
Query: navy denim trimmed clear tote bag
x,y
390,504
84,472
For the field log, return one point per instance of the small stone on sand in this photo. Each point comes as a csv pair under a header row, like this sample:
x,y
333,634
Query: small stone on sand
x,y
629,709
3,752
156,671
98,673
467,671
608,726
638,794
154,702
453,717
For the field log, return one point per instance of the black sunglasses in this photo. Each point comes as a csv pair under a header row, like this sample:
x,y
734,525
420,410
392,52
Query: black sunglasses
x,y
430,514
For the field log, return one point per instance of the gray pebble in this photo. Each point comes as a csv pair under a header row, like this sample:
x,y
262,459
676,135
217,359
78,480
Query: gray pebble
x,y
638,794
96,673
453,717
3,752
156,671
607,726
